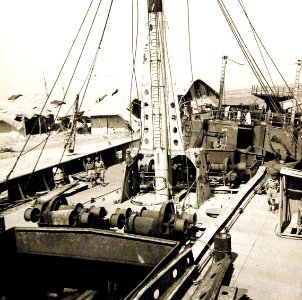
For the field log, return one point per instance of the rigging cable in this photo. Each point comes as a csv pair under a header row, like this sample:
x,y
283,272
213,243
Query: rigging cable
x,y
134,53
191,69
163,59
64,63
254,66
89,75
88,78
134,46
189,42
69,84
236,62
36,146
241,43
254,31
257,38
247,54
91,69
174,95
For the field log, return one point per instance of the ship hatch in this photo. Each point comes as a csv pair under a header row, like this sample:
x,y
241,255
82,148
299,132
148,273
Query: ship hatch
x,y
245,137
38,260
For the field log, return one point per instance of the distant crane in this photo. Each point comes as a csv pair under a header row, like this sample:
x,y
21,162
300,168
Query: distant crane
x,y
222,81
295,100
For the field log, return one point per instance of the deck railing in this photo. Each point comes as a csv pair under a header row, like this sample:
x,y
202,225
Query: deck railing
x,y
270,91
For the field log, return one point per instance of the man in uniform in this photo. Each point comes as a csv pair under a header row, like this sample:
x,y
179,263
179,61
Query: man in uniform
x,y
90,171
100,170
129,158
272,187
58,177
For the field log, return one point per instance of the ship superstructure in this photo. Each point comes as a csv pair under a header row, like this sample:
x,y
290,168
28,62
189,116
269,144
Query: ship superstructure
x,y
167,234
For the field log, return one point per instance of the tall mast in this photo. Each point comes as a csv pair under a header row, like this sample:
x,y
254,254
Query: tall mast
x,y
161,123
158,99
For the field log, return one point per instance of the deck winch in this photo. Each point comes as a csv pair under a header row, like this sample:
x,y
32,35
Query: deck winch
x,y
163,222
58,214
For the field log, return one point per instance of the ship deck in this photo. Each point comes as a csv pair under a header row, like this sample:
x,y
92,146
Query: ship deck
x,y
51,157
265,264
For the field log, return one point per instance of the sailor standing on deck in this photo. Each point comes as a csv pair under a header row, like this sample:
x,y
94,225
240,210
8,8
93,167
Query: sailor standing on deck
x,y
90,171
100,170
58,177
129,158
272,188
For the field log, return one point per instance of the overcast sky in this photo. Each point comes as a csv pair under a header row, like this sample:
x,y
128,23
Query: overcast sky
x,y
35,36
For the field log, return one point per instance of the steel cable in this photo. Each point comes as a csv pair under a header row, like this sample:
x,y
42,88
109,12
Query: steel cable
x,y
254,66
64,63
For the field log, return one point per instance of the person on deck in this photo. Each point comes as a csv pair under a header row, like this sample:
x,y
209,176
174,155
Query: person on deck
x,y
100,170
90,171
272,188
129,158
217,144
58,177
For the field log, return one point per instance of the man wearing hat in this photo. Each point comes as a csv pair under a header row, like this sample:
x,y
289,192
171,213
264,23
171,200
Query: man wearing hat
x,y
90,170
58,177
129,158
272,188
100,170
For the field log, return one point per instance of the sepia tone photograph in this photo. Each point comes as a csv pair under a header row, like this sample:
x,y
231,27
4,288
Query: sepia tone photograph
x,y
150,149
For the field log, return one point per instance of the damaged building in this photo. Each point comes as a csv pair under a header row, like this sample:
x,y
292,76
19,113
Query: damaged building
x,y
107,118
26,115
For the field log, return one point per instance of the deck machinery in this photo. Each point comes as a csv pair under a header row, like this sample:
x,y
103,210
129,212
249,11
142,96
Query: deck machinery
x,y
153,252
163,161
